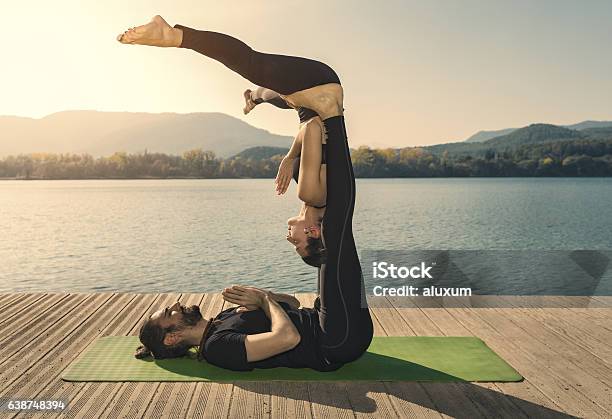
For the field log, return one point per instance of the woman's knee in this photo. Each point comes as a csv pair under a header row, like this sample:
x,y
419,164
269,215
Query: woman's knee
x,y
326,100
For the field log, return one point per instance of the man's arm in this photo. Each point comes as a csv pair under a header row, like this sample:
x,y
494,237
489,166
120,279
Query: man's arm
x,y
278,297
282,337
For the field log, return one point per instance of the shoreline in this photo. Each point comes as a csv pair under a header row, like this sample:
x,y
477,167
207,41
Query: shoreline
x,y
271,178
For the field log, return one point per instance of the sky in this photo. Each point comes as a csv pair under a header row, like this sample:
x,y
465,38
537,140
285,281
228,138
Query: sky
x,y
413,72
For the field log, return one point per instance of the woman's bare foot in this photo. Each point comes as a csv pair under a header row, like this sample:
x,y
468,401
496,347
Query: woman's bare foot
x,y
249,104
156,33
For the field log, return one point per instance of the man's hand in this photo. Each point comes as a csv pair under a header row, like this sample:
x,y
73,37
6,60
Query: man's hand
x,y
279,298
283,178
245,296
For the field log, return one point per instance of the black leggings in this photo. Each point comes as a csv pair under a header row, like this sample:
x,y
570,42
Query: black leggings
x,y
344,319
281,73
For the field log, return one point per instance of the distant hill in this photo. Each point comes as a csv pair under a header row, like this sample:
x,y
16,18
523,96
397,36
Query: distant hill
x,y
530,135
589,124
533,134
103,133
260,153
599,133
482,136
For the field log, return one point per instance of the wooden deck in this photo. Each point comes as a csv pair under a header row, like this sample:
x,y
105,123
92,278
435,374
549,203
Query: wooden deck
x,y
564,353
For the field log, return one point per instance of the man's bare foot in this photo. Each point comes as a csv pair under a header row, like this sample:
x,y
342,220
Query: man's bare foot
x,y
156,33
249,104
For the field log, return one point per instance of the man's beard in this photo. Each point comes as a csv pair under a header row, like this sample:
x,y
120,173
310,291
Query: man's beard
x,y
191,316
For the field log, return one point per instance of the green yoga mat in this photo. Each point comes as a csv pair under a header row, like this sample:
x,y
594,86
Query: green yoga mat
x,y
417,358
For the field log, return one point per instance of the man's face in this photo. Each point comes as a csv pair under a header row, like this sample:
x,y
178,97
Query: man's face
x,y
177,316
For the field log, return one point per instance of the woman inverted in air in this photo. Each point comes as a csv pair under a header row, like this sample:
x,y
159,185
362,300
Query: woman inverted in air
x,y
268,333
306,163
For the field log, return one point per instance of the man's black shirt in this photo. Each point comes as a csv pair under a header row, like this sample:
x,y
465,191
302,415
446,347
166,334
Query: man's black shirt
x,y
225,347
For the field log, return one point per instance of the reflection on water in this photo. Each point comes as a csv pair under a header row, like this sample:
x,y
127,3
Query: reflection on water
x,y
201,235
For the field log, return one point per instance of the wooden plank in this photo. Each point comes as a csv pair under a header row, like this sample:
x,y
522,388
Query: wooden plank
x,y
9,298
250,400
74,391
393,324
27,315
88,399
606,300
406,308
546,378
330,399
81,396
17,338
132,399
580,367
582,316
164,398
18,306
172,399
46,369
598,316
370,399
410,400
572,333
289,400
524,396
460,405
326,399
210,400
487,398
29,355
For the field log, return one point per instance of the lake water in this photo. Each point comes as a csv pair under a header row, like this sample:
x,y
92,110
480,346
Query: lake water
x,y
202,235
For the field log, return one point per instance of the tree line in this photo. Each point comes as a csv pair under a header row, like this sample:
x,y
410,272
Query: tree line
x,y
564,158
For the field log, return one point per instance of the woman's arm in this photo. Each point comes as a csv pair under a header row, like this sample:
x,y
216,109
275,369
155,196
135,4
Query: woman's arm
x,y
296,148
311,183
285,168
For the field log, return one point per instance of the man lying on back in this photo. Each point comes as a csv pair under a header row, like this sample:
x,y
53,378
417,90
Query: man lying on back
x,y
266,330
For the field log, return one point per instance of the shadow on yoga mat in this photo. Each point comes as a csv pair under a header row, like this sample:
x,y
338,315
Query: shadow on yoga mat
x,y
414,358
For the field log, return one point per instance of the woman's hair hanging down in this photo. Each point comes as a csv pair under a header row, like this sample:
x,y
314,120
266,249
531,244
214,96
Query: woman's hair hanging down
x,y
316,252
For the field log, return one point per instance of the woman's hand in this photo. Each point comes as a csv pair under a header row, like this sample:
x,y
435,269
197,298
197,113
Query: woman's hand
x,y
283,178
244,296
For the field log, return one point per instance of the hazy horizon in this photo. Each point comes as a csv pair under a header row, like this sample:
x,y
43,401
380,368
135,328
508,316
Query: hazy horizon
x,y
414,73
